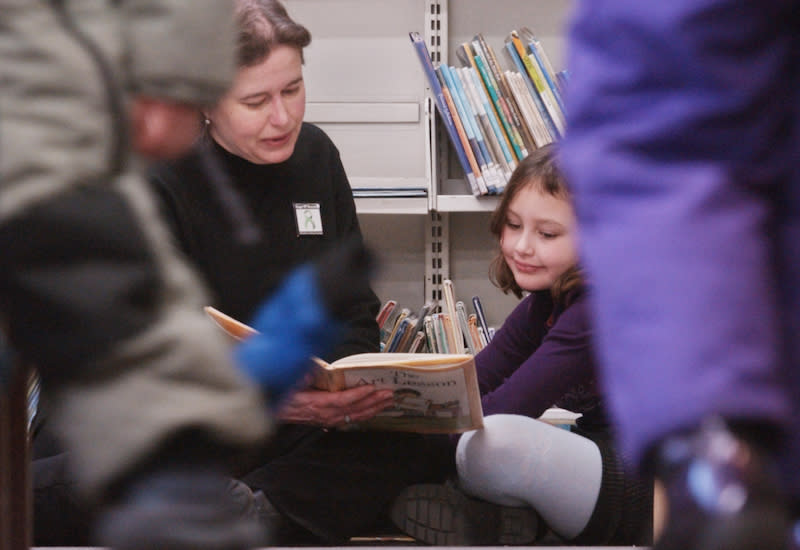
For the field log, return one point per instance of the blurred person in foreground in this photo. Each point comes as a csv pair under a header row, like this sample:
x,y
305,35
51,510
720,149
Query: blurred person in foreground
x,y
140,386
262,192
691,237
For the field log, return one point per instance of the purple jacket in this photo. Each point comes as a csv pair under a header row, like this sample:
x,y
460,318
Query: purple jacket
x,y
681,149
533,363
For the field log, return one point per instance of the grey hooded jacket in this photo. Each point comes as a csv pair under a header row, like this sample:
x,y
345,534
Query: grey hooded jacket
x,y
91,290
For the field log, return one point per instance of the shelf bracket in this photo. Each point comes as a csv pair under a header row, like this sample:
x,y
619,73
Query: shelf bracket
x,y
437,260
435,36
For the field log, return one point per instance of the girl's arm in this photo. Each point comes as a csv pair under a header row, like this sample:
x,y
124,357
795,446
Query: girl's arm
x,y
561,362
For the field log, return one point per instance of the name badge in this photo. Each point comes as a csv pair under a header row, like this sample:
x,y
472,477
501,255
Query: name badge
x,y
308,218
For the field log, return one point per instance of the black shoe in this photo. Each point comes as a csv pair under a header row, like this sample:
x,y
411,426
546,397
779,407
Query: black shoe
x,y
444,516
722,494
181,509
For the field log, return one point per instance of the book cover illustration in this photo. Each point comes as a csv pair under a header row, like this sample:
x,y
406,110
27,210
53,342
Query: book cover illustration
x,y
434,393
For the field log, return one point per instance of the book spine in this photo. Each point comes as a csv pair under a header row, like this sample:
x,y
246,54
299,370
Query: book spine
x,y
489,136
417,343
511,48
483,97
470,126
407,334
547,70
476,303
390,340
383,314
538,82
460,120
482,336
472,322
430,335
537,50
477,182
482,125
488,168
449,292
461,312
531,115
444,112
515,116
440,332
545,90
468,60
449,334
424,311
513,138
562,77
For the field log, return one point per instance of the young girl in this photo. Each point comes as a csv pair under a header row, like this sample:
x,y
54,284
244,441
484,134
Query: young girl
x,y
523,475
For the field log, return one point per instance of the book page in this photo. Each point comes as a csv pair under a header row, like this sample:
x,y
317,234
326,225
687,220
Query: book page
x,y
421,360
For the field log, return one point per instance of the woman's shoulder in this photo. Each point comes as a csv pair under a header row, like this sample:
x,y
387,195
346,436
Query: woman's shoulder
x,y
312,134
314,149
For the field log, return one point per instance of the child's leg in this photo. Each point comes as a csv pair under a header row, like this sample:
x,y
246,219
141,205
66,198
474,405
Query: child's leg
x,y
517,460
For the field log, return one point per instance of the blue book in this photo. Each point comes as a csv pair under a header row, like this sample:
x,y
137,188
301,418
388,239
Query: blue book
x,y
491,87
476,303
510,162
470,124
562,77
539,55
441,104
464,131
494,151
514,55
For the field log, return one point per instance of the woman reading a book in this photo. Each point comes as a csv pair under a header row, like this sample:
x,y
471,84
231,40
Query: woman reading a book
x,y
278,196
518,476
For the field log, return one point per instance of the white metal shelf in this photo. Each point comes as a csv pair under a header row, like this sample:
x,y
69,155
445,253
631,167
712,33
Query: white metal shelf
x,y
465,203
392,205
366,89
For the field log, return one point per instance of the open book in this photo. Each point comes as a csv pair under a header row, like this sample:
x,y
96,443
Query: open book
x,y
434,392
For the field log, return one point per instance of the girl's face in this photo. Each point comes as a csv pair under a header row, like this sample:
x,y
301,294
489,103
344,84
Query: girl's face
x,y
538,240
260,117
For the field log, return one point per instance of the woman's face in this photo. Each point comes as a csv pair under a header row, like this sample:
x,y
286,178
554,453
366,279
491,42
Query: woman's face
x,y
538,240
260,117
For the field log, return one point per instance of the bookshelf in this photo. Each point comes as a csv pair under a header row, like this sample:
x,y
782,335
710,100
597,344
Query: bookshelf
x,y
366,89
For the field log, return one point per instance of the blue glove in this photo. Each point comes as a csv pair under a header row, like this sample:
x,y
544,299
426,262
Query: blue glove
x,y
293,325
306,316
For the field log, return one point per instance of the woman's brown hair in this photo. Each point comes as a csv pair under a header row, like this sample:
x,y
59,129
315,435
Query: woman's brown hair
x,y
264,24
540,171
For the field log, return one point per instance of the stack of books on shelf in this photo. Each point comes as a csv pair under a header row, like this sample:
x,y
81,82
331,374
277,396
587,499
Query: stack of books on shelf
x,y
446,328
495,116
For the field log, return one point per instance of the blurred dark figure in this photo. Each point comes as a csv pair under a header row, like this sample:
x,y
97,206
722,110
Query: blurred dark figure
x,y
261,193
683,144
